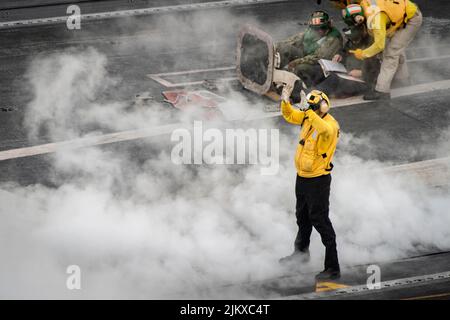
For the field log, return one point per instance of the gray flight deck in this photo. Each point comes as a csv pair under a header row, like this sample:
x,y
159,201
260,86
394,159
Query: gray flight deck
x,y
399,131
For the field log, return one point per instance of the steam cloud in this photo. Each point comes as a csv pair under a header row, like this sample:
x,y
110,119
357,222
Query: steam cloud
x,y
152,229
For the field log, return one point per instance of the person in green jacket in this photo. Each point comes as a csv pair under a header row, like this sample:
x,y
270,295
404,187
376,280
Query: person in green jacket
x,y
300,53
356,36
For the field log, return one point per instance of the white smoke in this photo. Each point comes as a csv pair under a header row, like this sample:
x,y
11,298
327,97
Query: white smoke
x,y
158,230
80,83
151,229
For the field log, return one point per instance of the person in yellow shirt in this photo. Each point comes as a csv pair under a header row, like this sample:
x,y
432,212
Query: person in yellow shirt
x,y
317,144
394,24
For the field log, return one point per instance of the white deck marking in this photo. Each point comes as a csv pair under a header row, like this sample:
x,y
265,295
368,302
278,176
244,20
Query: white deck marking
x,y
158,77
361,289
167,129
178,73
168,84
135,12
89,141
429,58
397,93
435,173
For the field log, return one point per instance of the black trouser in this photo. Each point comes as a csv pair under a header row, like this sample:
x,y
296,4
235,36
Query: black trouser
x,y
334,85
313,199
311,74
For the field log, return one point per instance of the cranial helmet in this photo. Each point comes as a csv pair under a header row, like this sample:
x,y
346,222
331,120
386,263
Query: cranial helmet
x,y
352,13
318,100
320,20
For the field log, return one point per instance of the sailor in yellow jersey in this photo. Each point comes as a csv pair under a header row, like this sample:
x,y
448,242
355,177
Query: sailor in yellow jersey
x,y
394,24
317,143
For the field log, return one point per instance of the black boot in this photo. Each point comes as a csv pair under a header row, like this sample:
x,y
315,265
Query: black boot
x,y
329,274
297,257
376,95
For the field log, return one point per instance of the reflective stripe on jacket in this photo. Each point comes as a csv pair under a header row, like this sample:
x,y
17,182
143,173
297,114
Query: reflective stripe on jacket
x,y
398,12
380,24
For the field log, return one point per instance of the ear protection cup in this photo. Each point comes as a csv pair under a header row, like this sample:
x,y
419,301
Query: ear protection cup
x,y
353,14
319,101
324,107
359,19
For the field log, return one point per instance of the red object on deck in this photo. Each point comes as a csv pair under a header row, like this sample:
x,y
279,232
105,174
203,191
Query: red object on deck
x,y
202,101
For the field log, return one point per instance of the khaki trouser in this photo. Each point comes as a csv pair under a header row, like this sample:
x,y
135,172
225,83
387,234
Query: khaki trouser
x,y
394,58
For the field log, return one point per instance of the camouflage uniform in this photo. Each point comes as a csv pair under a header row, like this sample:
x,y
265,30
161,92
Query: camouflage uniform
x,y
300,53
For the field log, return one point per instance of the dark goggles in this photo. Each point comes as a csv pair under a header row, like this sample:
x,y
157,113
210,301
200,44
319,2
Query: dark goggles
x,y
314,102
320,27
314,106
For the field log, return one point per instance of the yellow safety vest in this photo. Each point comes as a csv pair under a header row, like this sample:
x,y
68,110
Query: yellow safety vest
x,y
315,150
396,10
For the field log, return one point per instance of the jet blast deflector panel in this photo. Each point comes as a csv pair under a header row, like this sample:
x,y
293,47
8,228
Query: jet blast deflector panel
x,y
255,59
